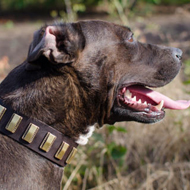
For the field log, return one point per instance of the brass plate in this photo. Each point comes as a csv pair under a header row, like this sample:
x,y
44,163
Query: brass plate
x,y
30,133
48,142
61,151
13,123
2,111
71,155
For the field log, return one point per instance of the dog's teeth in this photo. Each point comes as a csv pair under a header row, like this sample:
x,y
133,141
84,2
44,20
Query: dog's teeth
x,y
160,105
134,98
145,103
139,101
128,94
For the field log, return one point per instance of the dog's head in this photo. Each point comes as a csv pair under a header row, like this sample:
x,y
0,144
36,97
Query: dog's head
x,y
109,71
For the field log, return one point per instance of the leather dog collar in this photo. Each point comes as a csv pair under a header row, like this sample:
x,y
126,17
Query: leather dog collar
x,y
37,136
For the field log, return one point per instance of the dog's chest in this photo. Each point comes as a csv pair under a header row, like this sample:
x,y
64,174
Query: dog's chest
x,y
83,138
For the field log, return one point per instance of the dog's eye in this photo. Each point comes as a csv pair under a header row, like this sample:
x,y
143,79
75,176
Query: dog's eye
x,y
130,39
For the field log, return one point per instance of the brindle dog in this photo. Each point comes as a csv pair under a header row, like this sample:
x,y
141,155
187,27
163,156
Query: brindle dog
x,y
77,75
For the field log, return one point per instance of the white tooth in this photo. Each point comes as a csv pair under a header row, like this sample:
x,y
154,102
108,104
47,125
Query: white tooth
x,y
139,101
134,98
145,103
128,94
160,105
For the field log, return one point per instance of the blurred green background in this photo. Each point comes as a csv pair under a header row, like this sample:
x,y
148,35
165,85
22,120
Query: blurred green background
x,y
60,4
127,156
61,7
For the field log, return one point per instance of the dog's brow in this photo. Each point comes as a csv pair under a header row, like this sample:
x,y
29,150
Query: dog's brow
x,y
107,43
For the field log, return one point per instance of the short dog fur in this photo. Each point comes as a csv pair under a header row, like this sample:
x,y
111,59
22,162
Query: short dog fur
x,y
71,80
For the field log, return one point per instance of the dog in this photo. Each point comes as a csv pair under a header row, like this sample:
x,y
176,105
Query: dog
x,y
79,76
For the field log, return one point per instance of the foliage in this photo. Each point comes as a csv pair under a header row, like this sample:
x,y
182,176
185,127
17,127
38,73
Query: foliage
x,y
23,4
166,2
42,4
97,161
173,2
187,72
69,9
60,4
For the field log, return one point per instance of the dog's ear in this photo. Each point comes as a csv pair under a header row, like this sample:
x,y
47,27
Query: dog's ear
x,y
59,44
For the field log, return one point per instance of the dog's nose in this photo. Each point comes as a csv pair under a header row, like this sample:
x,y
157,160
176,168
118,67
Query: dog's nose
x,y
177,53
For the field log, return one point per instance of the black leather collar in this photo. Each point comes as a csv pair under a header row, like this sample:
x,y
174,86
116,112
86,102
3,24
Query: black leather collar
x,y
37,136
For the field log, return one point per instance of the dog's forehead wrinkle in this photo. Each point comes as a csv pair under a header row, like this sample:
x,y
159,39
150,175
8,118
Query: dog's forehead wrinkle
x,y
102,45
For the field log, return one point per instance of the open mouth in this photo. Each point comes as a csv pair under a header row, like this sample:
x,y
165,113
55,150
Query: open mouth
x,y
147,105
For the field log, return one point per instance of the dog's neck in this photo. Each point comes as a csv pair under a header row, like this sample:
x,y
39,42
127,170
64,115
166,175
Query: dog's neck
x,y
55,98
37,136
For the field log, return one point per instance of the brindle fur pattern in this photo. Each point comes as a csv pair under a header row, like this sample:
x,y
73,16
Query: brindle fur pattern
x,y
75,90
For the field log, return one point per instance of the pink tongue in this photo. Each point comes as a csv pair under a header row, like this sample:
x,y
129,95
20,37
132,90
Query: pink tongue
x,y
158,97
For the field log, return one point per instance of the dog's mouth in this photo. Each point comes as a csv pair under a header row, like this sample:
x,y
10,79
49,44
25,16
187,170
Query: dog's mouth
x,y
142,104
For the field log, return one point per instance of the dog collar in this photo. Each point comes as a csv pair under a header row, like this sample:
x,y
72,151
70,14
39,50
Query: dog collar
x,y
37,136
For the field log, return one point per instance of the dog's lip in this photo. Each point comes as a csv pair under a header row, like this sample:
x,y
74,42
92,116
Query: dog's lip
x,y
158,97
138,102
137,84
